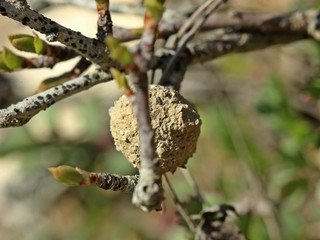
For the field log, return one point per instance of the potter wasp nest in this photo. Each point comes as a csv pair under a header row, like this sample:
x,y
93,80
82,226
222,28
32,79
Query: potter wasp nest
x,y
175,121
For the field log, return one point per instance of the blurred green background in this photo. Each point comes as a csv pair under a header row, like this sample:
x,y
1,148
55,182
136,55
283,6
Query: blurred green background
x,y
258,150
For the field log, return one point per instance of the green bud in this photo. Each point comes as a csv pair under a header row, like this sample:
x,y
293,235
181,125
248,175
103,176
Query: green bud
x,y
40,46
28,43
101,2
119,52
3,66
11,60
155,7
22,42
121,80
67,175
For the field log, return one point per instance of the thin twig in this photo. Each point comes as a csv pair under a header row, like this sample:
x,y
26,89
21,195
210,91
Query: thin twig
x,y
54,55
116,182
217,46
187,175
106,181
179,206
185,38
196,20
185,35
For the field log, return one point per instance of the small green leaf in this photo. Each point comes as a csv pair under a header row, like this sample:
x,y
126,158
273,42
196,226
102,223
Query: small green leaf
x,y
119,52
40,46
28,43
121,80
101,4
3,66
22,42
67,175
155,7
11,60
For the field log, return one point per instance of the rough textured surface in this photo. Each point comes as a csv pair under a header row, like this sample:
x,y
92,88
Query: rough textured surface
x,y
176,124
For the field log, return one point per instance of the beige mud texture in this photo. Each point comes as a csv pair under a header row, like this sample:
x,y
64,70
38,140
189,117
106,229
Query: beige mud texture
x,y
174,119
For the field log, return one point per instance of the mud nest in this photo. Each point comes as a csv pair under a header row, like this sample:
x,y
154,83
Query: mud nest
x,y
174,119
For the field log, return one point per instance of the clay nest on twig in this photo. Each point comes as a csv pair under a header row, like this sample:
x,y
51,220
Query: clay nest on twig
x,y
174,119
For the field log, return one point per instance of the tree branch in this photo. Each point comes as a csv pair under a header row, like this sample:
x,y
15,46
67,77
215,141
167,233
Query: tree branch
x,y
264,22
265,31
202,51
303,22
20,113
295,22
71,176
148,194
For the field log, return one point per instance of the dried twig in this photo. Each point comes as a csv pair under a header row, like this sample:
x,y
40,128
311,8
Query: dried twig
x,y
183,37
182,211
194,23
187,175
